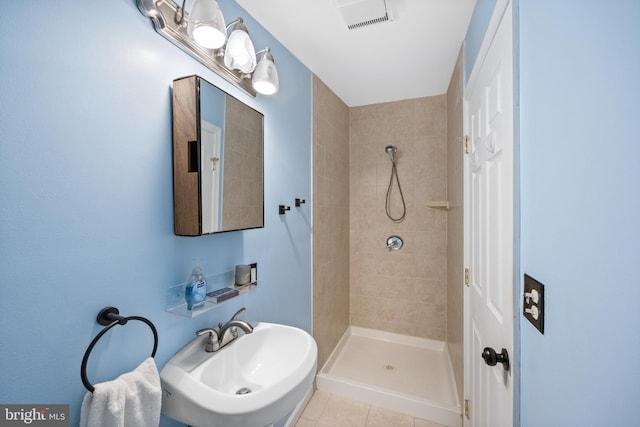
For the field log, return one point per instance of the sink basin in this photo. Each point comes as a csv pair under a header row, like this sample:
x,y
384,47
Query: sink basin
x,y
254,381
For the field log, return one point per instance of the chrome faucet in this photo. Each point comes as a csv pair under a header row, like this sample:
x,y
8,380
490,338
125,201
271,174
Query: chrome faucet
x,y
218,337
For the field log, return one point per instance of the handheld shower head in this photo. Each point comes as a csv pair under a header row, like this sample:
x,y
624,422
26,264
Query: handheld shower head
x,y
391,150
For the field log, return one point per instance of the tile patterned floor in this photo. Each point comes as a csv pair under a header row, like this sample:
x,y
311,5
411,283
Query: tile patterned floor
x,y
328,410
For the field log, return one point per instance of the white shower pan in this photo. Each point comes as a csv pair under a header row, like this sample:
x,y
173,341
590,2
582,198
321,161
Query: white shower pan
x,y
405,374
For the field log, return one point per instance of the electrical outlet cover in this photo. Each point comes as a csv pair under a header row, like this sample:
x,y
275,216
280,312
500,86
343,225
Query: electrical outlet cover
x,y
530,284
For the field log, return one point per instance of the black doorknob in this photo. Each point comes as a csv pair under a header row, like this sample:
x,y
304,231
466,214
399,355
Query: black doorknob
x,y
492,358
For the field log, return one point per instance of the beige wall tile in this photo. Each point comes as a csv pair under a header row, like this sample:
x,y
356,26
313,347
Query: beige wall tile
x,y
384,291
356,279
243,204
331,219
455,262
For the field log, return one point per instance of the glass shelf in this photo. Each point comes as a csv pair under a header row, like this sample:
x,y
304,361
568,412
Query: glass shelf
x,y
176,303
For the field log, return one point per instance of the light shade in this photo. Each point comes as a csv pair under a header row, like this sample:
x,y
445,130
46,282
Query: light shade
x,y
265,77
206,24
240,53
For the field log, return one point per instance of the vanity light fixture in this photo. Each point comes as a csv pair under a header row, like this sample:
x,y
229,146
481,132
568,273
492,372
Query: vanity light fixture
x,y
239,53
265,76
206,24
202,33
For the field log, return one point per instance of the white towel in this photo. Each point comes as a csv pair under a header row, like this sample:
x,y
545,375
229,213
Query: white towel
x,y
132,400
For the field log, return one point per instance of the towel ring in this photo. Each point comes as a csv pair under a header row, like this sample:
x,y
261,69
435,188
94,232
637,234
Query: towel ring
x,y
110,317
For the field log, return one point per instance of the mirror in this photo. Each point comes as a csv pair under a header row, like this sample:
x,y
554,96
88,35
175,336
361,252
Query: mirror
x,y
217,160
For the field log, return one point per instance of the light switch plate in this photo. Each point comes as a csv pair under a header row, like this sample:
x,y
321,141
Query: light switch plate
x,y
528,305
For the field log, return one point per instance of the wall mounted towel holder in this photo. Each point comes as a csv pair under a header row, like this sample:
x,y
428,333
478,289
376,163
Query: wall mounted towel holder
x,y
282,209
110,317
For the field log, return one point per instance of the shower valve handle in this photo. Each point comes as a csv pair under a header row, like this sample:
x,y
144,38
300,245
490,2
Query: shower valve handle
x,y
492,358
394,243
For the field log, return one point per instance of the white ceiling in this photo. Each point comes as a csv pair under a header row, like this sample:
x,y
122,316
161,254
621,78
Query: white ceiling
x,y
410,57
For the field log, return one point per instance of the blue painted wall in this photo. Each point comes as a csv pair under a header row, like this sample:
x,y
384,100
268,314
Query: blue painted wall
x,y
212,105
579,96
477,27
86,195
578,111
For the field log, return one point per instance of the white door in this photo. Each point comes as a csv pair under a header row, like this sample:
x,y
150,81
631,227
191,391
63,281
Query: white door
x,y
211,176
489,229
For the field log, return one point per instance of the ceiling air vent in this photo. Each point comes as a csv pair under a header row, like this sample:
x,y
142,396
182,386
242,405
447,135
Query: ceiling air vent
x,y
360,13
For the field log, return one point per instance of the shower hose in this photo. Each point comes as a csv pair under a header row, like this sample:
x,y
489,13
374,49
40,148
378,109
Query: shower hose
x,y
394,173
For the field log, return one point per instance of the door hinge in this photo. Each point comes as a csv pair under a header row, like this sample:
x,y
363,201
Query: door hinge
x,y
467,408
467,276
466,144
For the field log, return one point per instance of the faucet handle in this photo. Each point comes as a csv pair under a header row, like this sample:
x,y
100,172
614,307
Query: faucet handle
x,y
210,331
212,342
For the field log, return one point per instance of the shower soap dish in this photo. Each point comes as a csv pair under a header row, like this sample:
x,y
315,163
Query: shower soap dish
x,y
439,204
222,294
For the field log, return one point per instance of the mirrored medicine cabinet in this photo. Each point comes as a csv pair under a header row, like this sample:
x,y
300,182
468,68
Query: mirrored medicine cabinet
x,y
218,165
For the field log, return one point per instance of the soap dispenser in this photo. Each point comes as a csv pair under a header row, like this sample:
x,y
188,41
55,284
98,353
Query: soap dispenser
x,y
196,290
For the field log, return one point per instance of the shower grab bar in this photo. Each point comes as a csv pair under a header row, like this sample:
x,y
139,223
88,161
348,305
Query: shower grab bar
x,y
110,317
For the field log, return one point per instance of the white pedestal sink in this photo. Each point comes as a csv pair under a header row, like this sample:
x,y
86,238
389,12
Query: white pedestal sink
x,y
253,382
